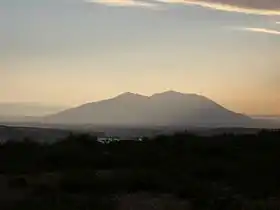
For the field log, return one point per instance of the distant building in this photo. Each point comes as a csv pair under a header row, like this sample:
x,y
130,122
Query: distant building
x,y
109,139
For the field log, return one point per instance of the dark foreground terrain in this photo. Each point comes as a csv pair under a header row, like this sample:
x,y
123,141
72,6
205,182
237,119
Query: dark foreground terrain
x,y
176,172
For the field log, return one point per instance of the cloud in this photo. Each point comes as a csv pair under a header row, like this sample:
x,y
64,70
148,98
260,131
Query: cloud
x,y
259,30
258,7
124,3
277,22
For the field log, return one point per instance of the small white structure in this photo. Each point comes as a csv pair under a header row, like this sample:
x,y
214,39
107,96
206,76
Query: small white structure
x,y
109,139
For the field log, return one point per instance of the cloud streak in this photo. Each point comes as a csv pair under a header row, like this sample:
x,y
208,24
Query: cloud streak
x,y
259,30
258,7
123,3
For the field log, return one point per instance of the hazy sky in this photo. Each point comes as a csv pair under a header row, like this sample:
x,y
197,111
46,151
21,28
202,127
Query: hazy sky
x,y
69,52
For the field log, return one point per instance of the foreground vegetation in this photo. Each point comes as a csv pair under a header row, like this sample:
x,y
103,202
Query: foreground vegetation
x,y
217,172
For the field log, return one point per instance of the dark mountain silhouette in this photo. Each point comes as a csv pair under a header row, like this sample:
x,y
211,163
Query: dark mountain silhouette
x,y
163,109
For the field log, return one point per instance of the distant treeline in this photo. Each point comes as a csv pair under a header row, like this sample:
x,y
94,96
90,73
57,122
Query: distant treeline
x,y
216,172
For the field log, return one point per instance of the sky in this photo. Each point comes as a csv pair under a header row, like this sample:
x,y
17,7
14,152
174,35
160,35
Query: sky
x,y
70,52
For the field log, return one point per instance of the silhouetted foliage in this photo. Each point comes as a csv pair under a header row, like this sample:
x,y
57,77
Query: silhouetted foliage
x,y
217,172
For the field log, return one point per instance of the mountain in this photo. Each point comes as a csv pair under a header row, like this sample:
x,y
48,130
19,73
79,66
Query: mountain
x,y
18,110
162,109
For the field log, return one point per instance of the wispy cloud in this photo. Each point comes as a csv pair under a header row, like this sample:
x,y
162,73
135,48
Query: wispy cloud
x,y
258,30
277,22
258,7
124,3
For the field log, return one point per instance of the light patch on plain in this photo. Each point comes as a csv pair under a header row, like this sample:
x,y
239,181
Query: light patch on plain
x,y
123,3
259,30
225,7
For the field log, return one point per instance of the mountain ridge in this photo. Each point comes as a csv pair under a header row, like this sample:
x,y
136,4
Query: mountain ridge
x,y
168,108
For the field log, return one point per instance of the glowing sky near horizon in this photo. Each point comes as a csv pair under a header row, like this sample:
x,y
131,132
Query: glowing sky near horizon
x,y
69,52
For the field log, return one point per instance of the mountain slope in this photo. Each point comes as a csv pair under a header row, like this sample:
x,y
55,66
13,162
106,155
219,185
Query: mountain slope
x,y
162,109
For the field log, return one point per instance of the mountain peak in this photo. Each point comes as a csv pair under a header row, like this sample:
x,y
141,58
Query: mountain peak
x,y
129,95
170,93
